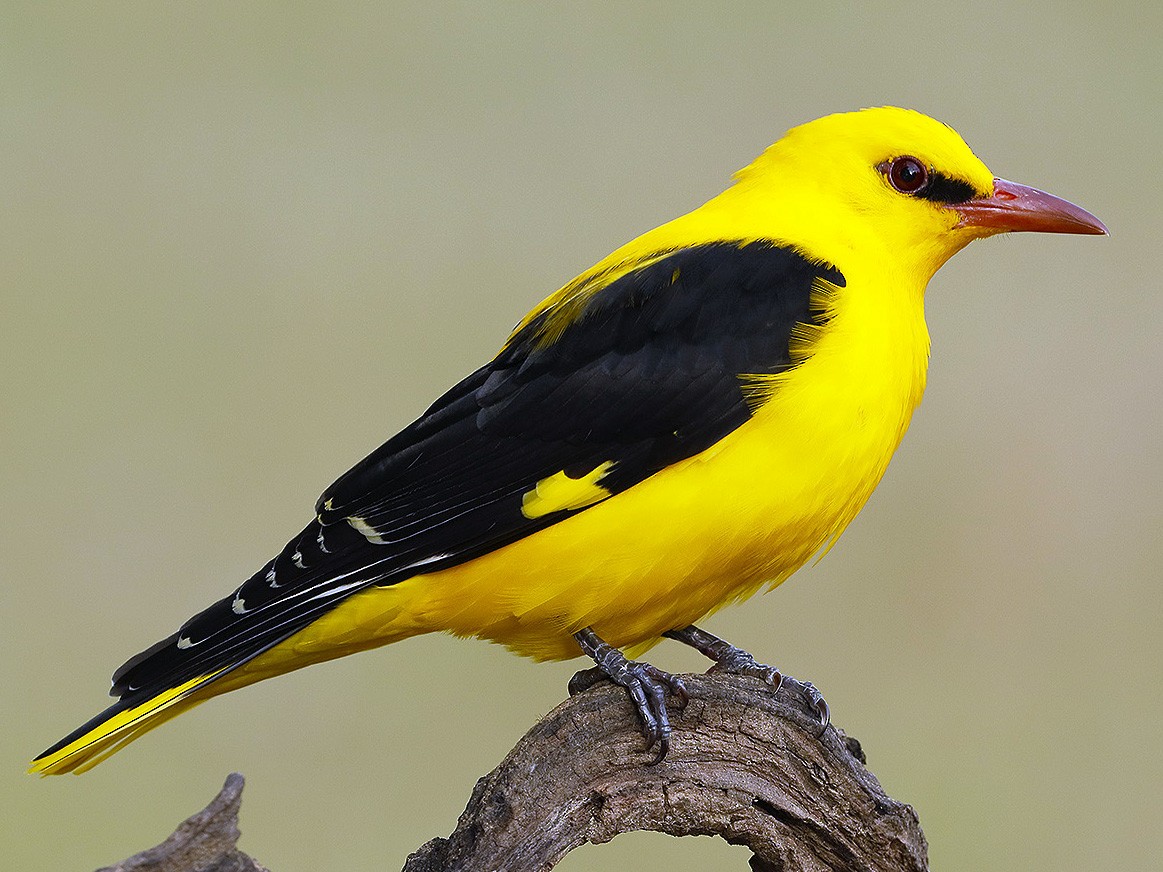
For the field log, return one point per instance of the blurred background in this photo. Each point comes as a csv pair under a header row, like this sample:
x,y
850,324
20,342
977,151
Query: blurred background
x,y
245,243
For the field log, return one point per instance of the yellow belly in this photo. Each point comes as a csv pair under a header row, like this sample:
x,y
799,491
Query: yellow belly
x,y
705,532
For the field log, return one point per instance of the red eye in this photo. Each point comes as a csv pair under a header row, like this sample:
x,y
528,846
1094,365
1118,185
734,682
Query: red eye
x,y
908,175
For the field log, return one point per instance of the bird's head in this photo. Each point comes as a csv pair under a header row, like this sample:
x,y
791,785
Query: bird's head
x,y
893,182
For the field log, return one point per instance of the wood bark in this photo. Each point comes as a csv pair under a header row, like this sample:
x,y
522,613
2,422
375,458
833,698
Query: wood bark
x,y
204,842
745,764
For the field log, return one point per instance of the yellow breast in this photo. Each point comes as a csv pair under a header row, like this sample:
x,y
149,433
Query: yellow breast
x,y
704,532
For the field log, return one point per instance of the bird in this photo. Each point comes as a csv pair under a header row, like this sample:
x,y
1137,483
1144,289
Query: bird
x,y
679,427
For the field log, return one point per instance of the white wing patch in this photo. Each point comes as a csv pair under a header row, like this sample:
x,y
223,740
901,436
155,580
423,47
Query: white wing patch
x,y
367,530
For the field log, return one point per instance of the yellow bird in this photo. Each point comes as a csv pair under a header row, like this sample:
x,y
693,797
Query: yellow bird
x,y
682,425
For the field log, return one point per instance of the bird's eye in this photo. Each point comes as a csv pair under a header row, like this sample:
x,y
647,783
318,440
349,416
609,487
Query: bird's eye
x,y
908,175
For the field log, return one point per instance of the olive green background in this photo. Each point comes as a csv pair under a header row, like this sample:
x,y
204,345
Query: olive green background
x,y
242,244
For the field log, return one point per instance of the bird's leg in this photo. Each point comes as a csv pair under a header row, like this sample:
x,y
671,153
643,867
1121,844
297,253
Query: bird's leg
x,y
646,684
735,661
727,657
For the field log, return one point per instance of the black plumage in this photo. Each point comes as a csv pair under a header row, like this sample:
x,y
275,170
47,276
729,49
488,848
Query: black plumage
x,y
645,373
947,190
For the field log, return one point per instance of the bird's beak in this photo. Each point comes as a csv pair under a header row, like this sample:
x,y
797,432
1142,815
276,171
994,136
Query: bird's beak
x,y
1016,207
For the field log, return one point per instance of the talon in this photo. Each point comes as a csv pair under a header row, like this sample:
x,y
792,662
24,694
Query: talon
x,y
769,675
673,683
584,679
816,701
649,723
663,749
823,710
735,661
729,660
646,684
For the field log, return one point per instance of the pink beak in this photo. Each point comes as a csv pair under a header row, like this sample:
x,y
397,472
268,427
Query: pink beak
x,y
1016,207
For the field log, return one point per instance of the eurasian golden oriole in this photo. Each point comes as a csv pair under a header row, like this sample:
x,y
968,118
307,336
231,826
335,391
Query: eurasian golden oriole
x,y
685,423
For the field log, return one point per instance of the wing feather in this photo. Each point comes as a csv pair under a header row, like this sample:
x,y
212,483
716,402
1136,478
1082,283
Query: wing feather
x,y
638,372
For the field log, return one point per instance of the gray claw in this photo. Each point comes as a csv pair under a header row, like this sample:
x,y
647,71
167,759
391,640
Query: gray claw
x,y
815,700
646,684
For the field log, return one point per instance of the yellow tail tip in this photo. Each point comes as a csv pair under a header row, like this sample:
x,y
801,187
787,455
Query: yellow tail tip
x,y
116,727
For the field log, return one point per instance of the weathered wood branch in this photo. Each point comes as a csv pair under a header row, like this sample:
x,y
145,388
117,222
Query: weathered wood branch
x,y
744,765
204,842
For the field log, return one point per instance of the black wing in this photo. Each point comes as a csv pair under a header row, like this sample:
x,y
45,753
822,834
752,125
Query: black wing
x,y
645,373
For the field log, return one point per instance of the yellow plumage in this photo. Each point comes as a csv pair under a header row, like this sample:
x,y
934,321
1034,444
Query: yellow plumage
x,y
748,512
737,517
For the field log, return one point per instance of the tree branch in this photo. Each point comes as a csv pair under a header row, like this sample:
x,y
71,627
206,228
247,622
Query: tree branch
x,y
204,842
744,764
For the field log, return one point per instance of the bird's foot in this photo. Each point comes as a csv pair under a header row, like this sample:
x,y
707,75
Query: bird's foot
x,y
816,702
646,684
728,658
732,660
584,679
736,661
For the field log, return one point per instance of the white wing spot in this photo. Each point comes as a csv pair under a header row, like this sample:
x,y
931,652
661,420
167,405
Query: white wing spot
x,y
370,532
322,545
184,642
297,557
271,576
238,606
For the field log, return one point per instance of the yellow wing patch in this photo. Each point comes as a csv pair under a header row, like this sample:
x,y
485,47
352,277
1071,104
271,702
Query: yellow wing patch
x,y
559,493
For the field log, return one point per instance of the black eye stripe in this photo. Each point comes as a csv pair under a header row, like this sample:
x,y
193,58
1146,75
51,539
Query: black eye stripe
x,y
946,189
938,187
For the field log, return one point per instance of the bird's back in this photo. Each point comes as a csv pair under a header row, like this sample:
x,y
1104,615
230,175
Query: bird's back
x,y
714,527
